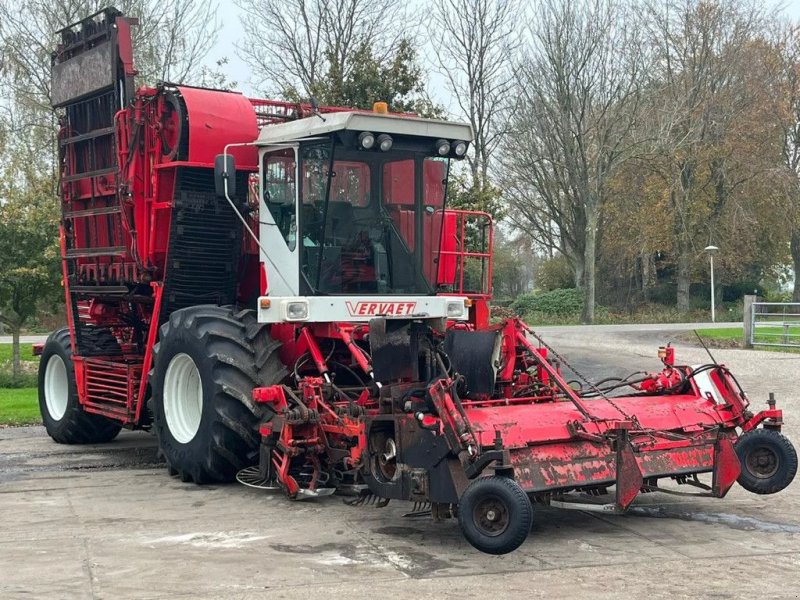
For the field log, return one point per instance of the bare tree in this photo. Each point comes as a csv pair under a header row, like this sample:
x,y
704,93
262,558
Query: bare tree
x,y
171,42
578,104
173,38
700,57
788,119
294,44
475,41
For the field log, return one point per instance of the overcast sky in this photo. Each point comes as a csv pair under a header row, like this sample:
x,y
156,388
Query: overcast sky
x,y
229,35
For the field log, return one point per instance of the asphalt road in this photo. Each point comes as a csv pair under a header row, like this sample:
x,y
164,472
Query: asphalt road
x,y
23,339
108,522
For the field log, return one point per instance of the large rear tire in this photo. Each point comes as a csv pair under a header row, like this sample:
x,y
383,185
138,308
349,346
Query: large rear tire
x,y
206,364
62,415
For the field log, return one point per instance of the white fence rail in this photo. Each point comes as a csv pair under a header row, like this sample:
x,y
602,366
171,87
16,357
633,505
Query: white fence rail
x,y
775,324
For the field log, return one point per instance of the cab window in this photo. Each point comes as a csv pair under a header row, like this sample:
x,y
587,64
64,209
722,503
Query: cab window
x,y
279,192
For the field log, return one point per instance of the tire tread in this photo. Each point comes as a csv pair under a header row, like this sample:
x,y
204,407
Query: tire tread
x,y
244,357
503,543
786,471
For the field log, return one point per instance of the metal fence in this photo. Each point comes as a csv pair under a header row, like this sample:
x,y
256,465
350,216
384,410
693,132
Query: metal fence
x,y
775,324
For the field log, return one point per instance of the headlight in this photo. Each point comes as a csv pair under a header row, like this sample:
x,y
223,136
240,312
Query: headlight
x,y
385,142
297,310
366,140
455,310
460,147
442,147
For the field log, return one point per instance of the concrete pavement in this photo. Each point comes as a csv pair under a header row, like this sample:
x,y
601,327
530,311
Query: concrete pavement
x,y
108,522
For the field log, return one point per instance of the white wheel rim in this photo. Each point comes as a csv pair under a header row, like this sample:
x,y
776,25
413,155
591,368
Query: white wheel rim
x,y
183,398
56,394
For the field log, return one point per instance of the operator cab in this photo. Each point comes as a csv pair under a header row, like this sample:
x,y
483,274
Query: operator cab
x,y
352,205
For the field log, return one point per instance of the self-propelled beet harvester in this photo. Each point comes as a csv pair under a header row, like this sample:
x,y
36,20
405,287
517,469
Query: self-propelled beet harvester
x,y
279,291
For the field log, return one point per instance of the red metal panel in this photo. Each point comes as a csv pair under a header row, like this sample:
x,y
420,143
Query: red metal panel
x,y
548,421
447,246
584,463
727,467
216,119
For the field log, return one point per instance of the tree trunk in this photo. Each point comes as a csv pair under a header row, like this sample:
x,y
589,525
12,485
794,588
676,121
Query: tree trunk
x,y
683,279
648,274
579,272
16,368
680,202
795,246
587,316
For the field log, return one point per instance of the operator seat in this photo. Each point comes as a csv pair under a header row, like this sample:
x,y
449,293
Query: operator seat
x,y
340,222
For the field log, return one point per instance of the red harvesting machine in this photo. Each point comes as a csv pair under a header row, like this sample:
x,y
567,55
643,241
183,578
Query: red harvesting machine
x,y
279,291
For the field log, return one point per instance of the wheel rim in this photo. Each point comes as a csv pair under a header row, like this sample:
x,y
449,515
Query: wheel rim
x,y
387,460
490,516
56,394
762,462
183,398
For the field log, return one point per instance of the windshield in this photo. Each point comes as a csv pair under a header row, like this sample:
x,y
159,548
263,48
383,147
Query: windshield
x,y
370,221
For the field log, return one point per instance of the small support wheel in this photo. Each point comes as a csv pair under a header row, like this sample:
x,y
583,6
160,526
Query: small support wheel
x,y
768,461
495,514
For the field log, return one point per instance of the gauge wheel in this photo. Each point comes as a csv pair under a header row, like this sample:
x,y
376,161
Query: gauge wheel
x,y
495,514
768,461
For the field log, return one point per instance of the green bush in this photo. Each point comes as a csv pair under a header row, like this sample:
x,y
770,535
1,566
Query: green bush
x,y
777,296
30,365
555,274
731,311
556,303
26,378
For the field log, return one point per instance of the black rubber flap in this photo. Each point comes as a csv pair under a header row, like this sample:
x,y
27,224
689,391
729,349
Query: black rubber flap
x,y
473,354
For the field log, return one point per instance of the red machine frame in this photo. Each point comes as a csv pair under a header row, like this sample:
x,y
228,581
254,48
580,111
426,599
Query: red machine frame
x,y
554,441
423,435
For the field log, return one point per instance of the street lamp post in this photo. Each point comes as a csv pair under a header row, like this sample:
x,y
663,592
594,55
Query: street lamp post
x,y
712,250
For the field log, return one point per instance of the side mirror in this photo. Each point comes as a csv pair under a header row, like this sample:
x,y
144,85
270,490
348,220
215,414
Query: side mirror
x,y
225,170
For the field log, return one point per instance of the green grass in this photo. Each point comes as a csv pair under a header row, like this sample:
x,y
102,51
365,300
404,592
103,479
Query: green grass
x,y
732,337
728,333
19,407
25,352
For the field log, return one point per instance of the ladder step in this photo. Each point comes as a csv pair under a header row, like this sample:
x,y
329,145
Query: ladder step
x,y
115,412
111,387
104,290
87,136
77,176
86,252
91,212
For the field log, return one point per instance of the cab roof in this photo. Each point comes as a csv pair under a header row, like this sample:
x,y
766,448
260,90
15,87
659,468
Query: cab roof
x,y
320,125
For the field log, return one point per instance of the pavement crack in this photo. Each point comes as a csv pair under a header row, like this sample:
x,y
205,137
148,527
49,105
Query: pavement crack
x,y
86,563
87,567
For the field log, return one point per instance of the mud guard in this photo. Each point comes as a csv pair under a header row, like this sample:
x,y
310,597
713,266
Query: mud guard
x,y
726,467
629,476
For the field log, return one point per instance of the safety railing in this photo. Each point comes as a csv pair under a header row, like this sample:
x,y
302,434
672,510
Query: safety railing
x,y
775,324
467,249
